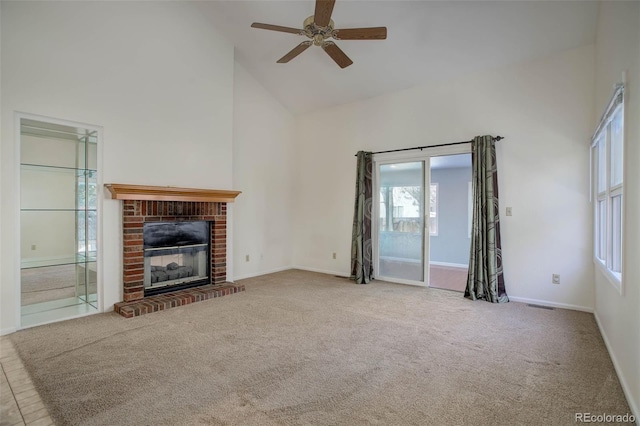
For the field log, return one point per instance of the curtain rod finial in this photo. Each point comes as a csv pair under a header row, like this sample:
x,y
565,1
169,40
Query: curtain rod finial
x,y
498,138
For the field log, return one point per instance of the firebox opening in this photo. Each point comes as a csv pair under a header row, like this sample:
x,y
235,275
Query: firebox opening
x,y
176,256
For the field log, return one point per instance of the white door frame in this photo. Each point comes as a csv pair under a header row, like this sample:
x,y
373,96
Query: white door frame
x,y
423,155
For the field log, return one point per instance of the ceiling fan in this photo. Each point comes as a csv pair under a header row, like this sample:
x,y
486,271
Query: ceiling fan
x,y
319,28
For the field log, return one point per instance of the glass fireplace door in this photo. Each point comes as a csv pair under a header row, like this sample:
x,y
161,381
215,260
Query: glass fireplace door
x,y
176,255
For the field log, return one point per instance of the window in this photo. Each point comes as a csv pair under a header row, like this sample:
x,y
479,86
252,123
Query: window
x,y
433,209
607,153
400,209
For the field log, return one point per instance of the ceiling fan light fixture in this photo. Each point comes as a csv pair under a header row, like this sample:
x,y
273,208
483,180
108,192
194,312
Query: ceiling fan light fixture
x,y
319,27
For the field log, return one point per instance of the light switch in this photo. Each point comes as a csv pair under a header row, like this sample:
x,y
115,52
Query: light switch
x,y
509,211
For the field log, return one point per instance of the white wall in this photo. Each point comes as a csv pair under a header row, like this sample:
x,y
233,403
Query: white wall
x,y
618,50
263,133
544,108
155,75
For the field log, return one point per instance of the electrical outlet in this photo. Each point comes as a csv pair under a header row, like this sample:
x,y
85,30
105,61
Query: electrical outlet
x,y
33,246
509,211
246,258
555,278
334,254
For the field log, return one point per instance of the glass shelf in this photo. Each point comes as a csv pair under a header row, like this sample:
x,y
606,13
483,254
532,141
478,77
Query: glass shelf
x,y
55,149
58,261
58,210
40,166
57,188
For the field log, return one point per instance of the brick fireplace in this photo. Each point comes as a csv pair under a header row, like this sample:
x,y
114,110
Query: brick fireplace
x,y
137,212
143,204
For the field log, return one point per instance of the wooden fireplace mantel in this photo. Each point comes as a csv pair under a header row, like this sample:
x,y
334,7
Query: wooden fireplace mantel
x,y
120,191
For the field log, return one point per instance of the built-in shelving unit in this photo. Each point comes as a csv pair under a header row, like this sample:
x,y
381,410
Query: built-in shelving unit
x,y
58,216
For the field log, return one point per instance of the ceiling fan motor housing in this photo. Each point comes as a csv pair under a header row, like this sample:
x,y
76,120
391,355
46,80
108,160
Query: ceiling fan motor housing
x,y
316,33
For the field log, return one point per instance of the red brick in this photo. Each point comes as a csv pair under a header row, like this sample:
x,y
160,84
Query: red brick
x,y
128,297
133,219
132,228
133,266
133,258
133,307
131,276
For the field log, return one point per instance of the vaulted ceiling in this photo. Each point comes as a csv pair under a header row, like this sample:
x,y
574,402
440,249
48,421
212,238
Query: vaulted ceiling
x,y
428,41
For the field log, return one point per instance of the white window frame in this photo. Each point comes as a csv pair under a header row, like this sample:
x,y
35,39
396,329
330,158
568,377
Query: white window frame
x,y
434,232
603,239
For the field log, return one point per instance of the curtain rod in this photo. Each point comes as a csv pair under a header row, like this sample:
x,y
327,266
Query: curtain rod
x,y
497,138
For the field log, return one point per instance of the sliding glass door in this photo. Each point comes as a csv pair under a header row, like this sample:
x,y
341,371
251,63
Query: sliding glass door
x,y
421,216
401,244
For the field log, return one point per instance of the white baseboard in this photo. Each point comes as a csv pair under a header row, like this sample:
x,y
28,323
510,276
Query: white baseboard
x,y
551,304
616,365
323,271
449,265
6,331
257,274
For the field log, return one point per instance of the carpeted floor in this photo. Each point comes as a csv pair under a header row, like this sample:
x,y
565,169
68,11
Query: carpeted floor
x,y
305,348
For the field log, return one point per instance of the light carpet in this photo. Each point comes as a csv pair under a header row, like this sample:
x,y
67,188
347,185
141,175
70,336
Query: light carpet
x,y
305,348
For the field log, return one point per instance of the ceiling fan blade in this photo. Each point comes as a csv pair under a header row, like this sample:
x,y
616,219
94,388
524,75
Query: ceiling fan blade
x,y
337,54
374,33
322,15
276,28
295,52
